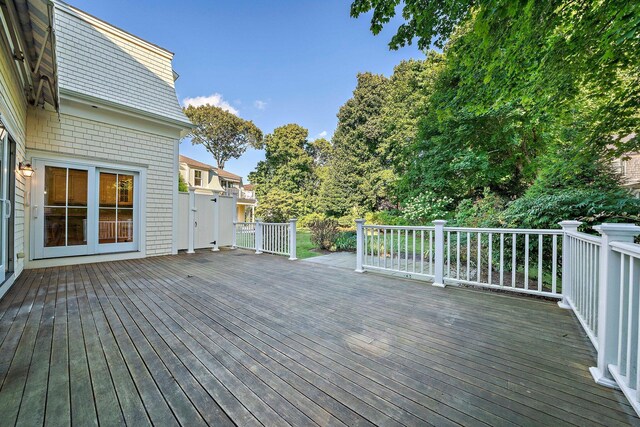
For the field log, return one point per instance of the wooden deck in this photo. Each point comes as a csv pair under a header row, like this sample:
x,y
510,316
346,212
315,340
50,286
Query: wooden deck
x,y
235,338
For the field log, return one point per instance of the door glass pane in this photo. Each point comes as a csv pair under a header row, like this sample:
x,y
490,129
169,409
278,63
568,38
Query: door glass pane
x,y
108,189
55,186
78,182
107,226
55,226
66,193
77,226
116,208
125,191
125,225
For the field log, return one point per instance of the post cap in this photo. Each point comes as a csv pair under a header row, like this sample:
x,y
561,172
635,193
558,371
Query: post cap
x,y
293,219
360,221
439,222
618,230
570,224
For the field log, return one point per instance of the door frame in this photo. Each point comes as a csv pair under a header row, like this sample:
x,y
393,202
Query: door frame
x,y
40,158
38,210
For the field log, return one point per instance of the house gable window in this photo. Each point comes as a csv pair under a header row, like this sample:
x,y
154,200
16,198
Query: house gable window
x,y
197,178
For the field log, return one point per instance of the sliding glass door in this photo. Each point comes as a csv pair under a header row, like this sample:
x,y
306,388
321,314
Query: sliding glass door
x,y
82,210
7,191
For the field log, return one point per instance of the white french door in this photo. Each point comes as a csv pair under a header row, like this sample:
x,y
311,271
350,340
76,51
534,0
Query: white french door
x,y
7,179
82,210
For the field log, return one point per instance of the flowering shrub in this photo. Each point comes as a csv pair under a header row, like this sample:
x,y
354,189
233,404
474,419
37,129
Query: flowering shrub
x,y
426,207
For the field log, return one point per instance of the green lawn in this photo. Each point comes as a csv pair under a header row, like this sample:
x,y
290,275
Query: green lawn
x,y
304,246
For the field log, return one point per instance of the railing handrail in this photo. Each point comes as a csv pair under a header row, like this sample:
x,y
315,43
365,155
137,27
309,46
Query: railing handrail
x,y
549,231
584,237
629,249
266,237
399,227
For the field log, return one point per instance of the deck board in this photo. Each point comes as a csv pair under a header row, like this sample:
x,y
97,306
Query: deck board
x,y
236,338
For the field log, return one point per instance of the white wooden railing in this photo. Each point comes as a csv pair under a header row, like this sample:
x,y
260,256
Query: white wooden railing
x,y
511,259
268,237
581,277
597,277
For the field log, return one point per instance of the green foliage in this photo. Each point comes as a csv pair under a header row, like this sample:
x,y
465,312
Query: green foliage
x,y
346,241
182,184
356,176
485,211
591,206
426,207
324,233
306,220
286,181
304,247
225,135
388,217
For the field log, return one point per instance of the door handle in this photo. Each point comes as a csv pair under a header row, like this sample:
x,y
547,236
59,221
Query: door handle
x,y
7,205
35,211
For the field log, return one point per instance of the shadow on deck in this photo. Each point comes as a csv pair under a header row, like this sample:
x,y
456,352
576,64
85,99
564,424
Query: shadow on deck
x,y
232,337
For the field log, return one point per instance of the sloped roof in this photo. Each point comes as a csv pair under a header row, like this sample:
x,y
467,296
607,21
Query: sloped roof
x,y
228,175
248,187
99,61
194,163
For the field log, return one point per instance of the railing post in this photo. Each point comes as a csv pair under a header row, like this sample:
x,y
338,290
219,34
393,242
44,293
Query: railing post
x,y
192,220
258,238
359,245
567,226
234,236
439,253
609,299
292,239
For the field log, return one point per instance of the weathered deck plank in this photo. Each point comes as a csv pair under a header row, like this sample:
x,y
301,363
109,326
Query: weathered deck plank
x,y
232,338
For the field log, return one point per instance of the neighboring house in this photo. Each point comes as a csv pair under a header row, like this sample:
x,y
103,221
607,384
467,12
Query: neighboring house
x,y
91,111
629,168
246,203
201,176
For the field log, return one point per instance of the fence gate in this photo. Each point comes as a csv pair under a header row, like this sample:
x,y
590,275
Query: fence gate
x,y
205,220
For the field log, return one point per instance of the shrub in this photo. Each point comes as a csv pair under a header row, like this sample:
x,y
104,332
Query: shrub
x,y
482,212
307,220
182,184
348,221
324,233
389,217
591,206
426,207
346,241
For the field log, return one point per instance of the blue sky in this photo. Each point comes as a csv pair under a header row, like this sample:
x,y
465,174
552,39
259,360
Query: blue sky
x,y
274,62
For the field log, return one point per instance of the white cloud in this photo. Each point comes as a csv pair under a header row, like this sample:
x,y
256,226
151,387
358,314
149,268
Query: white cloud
x,y
214,99
323,134
260,105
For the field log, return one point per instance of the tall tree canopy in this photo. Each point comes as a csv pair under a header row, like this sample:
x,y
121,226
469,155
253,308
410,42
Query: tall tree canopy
x,y
286,181
225,135
356,176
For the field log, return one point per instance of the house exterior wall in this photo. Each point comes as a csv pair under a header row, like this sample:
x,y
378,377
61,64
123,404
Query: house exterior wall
x,y
95,140
13,109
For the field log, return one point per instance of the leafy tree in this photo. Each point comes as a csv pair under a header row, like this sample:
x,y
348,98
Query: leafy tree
x,y
355,174
225,135
182,184
285,180
548,58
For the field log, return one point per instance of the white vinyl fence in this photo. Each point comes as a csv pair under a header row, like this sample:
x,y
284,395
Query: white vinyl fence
x,y
597,277
205,220
268,237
